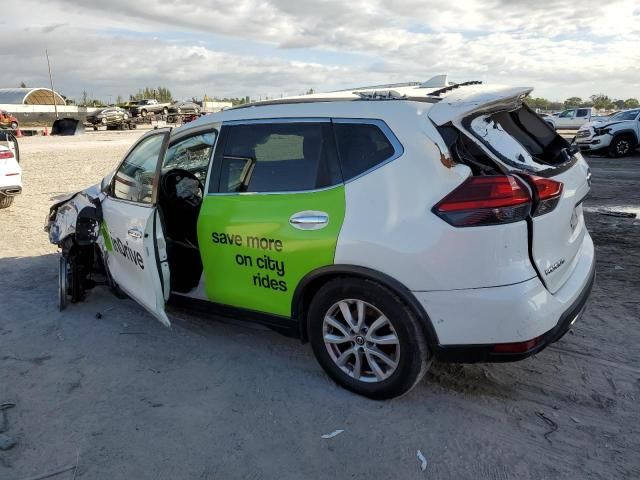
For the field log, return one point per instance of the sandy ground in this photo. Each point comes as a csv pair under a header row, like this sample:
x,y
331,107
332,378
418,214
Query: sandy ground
x,y
125,398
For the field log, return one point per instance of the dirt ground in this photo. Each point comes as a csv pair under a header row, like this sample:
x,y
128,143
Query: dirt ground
x,y
123,397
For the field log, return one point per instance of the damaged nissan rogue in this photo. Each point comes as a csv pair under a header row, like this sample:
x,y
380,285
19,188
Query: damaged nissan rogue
x,y
387,226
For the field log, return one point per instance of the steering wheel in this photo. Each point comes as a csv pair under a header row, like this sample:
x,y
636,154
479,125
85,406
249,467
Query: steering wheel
x,y
177,184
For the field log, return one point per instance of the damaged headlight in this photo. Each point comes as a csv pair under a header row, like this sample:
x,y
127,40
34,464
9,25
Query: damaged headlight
x,y
602,131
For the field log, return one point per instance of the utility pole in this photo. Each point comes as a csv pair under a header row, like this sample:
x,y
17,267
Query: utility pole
x,y
53,93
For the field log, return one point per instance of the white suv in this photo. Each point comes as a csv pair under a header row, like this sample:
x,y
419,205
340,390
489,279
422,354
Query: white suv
x,y
618,136
10,171
386,227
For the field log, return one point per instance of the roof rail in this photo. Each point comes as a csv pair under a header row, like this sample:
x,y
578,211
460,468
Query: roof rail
x,y
437,93
360,97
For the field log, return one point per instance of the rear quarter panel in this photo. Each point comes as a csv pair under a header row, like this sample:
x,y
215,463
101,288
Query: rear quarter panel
x,y
389,225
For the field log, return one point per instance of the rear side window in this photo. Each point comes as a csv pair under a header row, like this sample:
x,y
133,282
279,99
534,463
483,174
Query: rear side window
x,y
361,147
583,112
278,157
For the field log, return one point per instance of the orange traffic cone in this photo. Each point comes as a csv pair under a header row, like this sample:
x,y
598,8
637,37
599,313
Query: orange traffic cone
x,y
46,132
18,133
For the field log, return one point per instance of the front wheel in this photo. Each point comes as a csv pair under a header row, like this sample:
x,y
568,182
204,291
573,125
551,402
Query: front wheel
x,y
367,339
620,146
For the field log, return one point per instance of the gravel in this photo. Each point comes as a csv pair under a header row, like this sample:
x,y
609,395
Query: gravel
x,y
216,398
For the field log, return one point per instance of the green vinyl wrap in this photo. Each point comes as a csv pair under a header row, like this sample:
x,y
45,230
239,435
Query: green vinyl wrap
x,y
253,258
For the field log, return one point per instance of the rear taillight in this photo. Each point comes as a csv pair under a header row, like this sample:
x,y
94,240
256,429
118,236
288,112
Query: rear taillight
x,y
488,200
548,193
6,154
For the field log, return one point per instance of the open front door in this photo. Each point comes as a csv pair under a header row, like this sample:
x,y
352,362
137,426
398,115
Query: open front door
x,y
134,241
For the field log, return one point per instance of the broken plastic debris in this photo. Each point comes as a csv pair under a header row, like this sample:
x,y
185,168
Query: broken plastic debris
x,y
332,434
423,460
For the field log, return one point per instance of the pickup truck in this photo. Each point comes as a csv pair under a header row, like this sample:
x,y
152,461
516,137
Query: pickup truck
x,y
570,119
149,105
618,135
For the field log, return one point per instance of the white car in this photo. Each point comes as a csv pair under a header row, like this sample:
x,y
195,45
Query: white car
x,y
386,227
618,135
573,118
10,171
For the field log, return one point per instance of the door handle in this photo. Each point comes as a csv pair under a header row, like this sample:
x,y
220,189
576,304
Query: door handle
x,y
309,220
135,233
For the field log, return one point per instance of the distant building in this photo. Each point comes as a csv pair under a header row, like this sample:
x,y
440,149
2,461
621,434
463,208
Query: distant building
x,y
30,96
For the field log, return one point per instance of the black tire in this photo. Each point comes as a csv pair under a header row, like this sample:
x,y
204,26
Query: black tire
x,y
5,201
621,146
414,357
143,113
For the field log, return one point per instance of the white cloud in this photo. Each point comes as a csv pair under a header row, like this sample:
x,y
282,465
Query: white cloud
x,y
561,48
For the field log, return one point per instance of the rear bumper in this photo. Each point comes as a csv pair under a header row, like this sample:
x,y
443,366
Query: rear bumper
x,y
10,191
486,353
483,324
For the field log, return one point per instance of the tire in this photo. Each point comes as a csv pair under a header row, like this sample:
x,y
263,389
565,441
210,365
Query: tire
x,y
143,113
165,111
5,201
14,126
63,283
621,146
399,338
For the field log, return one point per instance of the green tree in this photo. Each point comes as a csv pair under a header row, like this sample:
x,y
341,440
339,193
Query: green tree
x,y
162,94
631,103
601,101
572,102
619,104
537,103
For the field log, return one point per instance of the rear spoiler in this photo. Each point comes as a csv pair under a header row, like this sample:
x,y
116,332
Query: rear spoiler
x,y
476,98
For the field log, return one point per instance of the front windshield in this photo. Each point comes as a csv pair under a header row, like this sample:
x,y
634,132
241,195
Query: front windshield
x,y
628,115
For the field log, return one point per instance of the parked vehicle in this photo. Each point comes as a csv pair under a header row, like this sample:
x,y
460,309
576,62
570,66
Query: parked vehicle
x,y
149,105
386,227
618,136
109,117
8,121
184,108
573,118
10,171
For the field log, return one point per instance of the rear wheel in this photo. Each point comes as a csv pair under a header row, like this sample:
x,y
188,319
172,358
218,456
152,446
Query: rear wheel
x,y
5,201
366,339
621,146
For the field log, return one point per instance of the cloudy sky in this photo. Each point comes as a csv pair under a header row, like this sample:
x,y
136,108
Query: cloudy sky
x,y
273,47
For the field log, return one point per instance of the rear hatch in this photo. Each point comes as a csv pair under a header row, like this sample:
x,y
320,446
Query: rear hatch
x,y
521,144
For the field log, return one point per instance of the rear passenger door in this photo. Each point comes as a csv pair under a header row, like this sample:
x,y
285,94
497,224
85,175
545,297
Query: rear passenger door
x,y
273,211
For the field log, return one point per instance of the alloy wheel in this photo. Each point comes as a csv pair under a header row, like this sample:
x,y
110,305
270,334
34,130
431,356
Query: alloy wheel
x,y
361,340
622,147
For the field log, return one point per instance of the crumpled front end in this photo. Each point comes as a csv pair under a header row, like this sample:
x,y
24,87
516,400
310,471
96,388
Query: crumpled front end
x,y
79,216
